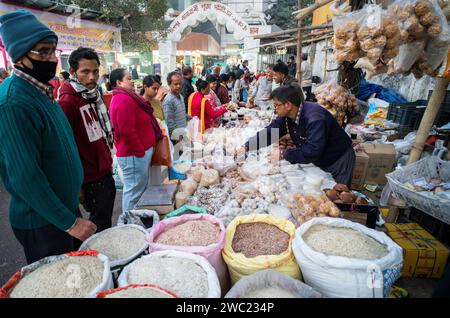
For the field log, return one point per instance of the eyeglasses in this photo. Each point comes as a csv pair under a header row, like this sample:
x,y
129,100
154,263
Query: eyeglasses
x,y
47,53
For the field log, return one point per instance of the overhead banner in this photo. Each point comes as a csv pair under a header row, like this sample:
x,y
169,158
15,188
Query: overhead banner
x,y
73,32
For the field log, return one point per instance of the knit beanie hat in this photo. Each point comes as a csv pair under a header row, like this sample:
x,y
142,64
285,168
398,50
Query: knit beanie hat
x,y
21,31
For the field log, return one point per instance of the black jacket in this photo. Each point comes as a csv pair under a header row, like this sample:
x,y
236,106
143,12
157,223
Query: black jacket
x,y
186,90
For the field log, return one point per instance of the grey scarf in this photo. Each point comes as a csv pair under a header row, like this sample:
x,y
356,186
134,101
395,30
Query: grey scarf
x,y
94,97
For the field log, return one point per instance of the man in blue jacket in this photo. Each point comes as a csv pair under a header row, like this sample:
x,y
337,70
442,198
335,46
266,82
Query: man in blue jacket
x,y
317,136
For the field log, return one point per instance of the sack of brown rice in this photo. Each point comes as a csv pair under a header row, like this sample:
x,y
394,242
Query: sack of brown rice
x,y
72,275
259,241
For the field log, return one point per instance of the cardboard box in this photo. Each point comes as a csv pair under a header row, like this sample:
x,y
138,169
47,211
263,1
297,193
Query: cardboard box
x,y
382,158
360,170
423,255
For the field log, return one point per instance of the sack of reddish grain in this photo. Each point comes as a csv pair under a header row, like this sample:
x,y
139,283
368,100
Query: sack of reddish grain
x,y
72,275
184,274
200,234
340,258
121,244
271,284
262,241
137,291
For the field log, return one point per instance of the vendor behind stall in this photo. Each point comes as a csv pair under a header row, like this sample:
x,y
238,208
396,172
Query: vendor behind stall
x,y
317,136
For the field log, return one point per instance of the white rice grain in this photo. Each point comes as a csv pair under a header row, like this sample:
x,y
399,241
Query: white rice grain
x,y
118,243
71,277
182,276
346,242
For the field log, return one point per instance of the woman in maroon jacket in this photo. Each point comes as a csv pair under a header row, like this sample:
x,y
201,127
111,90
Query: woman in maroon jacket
x,y
136,132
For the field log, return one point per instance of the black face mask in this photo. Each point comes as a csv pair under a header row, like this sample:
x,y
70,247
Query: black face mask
x,y
43,71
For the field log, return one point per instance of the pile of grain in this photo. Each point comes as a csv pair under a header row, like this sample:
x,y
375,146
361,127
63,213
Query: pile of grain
x,y
139,292
118,243
269,292
71,277
182,276
255,239
346,242
191,233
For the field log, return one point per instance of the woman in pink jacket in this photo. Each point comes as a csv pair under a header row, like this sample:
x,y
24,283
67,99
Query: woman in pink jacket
x,y
136,132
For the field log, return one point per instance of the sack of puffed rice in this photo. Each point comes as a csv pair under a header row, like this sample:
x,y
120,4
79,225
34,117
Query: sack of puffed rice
x,y
73,275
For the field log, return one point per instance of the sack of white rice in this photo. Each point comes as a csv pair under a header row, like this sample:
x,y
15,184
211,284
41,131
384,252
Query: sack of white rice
x,y
200,234
271,284
340,258
184,274
137,291
72,275
121,244
259,241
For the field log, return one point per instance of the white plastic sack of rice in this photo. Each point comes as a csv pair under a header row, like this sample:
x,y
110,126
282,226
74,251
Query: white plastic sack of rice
x,y
73,275
270,283
121,244
186,275
340,258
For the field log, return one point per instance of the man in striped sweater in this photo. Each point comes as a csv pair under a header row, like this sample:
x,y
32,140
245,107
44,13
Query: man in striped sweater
x,y
174,107
39,161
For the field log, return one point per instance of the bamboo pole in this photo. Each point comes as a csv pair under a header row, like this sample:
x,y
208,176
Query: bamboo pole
x,y
326,61
303,13
306,39
433,107
289,31
299,47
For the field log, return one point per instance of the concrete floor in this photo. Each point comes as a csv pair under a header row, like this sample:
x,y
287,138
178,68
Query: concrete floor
x,y
12,257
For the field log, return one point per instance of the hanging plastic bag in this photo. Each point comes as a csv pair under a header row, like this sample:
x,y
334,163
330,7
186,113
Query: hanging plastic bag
x,y
408,54
345,39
